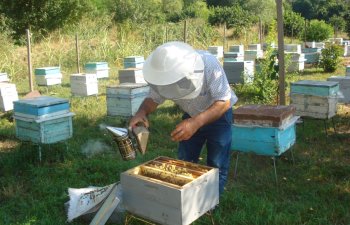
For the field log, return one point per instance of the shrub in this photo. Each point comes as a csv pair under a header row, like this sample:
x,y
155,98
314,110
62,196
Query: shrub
x,y
318,30
293,24
330,58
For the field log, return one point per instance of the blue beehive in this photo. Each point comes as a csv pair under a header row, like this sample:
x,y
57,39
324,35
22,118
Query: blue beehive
x,y
125,99
133,62
47,71
312,55
313,87
43,120
263,129
41,106
271,141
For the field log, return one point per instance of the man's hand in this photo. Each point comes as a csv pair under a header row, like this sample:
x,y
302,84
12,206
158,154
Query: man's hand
x,y
138,118
184,130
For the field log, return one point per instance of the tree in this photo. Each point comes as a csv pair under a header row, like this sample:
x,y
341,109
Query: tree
x,y
318,30
293,24
138,11
338,24
234,17
41,16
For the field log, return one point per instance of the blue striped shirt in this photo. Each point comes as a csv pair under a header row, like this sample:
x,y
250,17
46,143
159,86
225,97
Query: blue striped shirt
x,y
215,88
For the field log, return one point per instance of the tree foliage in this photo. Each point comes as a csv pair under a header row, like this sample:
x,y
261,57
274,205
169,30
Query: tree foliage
x,y
234,17
41,16
318,30
293,24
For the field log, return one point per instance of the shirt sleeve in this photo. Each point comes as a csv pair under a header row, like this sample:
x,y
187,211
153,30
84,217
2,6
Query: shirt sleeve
x,y
217,83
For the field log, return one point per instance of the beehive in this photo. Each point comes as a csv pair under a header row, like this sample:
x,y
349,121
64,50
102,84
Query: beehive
x,y
125,99
84,84
170,191
236,48
338,41
314,106
134,62
310,44
8,94
131,75
346,50
344,87
312,55
217,51
320,45
101,69
239,71
256,47
263,115
47,76
3,77
40,107
347,71
297,62
264,130
43,120
292,48
316,99
252,55
233,56
314,87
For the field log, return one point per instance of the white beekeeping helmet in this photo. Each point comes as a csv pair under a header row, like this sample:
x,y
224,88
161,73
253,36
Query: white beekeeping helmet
x,y
175,71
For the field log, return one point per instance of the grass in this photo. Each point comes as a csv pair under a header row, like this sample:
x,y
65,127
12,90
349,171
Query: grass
x,y
314,190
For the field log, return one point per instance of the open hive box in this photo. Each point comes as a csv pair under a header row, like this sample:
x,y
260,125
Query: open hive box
x,y
170,191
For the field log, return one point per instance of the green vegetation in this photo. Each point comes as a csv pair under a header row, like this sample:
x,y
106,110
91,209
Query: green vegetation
x,y
314,190
330,58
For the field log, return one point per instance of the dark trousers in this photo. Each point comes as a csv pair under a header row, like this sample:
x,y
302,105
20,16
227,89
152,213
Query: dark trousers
x,y
217,136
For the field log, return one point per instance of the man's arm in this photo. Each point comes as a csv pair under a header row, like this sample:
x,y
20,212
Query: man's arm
x,y
148,106
188,127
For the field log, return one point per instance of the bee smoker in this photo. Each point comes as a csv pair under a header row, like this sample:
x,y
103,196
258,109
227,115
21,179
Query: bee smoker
x,y
130,140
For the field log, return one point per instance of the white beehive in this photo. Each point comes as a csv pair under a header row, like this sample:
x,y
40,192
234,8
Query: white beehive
x,y
252,55
3,77
236,48
46,76
48,80
320,45
256,47
310,44
346,50
297,61
239,71
84,84
8,94
344,87
131,75
338,41
101,69
217,51
292,48
170,191
319,107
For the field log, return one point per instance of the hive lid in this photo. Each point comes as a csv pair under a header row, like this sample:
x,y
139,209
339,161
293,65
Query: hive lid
x,y
315,83
275,114
42,101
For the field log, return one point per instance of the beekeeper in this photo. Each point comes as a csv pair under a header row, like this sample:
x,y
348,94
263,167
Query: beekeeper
x,y
197,83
